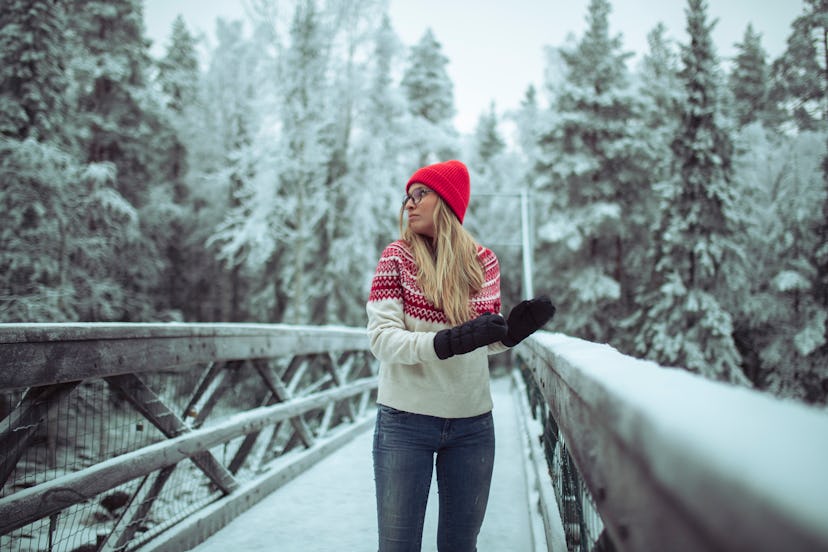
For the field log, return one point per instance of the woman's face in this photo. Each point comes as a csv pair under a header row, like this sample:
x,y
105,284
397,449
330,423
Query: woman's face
x,y
419,205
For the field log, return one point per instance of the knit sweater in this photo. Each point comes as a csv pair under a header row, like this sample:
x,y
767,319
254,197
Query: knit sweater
x,y
402,323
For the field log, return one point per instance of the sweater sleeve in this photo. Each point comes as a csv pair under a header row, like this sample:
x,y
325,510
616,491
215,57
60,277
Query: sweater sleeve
x,y
390,340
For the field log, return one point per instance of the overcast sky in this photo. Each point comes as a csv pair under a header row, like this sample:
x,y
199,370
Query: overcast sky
x,y
496,47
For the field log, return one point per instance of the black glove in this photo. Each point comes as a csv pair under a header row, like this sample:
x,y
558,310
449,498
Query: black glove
x,y
526,317
486,328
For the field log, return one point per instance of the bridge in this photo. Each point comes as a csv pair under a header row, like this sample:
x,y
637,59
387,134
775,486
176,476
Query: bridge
x,y
212,436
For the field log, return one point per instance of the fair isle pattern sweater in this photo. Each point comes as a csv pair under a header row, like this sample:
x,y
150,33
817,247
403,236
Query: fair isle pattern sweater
x,y
401,328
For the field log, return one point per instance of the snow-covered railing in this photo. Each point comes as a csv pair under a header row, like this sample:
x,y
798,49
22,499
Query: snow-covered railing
x,y
119,436
674,461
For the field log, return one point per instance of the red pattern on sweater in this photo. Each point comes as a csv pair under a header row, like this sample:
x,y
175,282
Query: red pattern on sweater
x,y
396,279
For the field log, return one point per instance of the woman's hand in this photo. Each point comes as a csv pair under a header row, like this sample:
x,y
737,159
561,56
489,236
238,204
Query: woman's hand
x,y
527,317
465,338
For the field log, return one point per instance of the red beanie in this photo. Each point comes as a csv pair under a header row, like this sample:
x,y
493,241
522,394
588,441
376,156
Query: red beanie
x,y
451,182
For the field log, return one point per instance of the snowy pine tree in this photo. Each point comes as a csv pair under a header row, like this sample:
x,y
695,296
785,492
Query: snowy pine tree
x,y
498,175
310,140
119,123
33,55
749,79
178,71
35,280
279,178
35,174
382,165
683,322
429,90
802,79
116,266
385,105
488,141
168,217
589,169
800,75
659,82
430,94
228,160
778,316
527,120
78,251
662,94
179,78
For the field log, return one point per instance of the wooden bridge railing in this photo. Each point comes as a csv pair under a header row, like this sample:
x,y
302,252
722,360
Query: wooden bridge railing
x,y
153,436
668,460
120,436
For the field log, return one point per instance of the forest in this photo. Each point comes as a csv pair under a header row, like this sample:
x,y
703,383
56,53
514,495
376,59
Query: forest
x,y
679,204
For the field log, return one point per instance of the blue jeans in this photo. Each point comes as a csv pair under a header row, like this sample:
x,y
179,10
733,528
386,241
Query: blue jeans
x,y
404,449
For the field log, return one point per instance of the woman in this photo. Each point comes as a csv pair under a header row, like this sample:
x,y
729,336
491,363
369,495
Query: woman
x,y
433,318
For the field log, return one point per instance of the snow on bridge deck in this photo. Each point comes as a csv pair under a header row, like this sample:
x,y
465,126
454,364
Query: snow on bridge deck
x,y
332,507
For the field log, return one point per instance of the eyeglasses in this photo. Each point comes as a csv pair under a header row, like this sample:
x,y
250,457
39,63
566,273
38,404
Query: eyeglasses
x,y
416,196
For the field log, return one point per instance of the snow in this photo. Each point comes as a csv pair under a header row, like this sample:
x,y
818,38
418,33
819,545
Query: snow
x,y
771,450
790,280
332,506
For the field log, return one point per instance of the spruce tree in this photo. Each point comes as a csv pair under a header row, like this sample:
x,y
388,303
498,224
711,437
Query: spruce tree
x,y
428,88
777,318
170,206
223,169
800,75
116,266
749,79
799,93
683,322
33,55
489,142
119,122
37,233
661,93
308,130
430,95
384,119
349,37
36,177
528,121
178,70
383,106
659,82
499,175
589,167
381,136
179,77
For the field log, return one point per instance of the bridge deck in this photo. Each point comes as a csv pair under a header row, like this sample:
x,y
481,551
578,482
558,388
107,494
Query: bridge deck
x,y
331,507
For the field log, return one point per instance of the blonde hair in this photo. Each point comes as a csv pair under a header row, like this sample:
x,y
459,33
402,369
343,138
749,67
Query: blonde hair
x,y
448,268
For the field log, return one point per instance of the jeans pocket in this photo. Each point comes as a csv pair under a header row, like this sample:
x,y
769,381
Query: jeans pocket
x,y
394,427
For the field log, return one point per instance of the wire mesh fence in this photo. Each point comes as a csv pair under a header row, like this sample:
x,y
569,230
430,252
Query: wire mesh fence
x,y
583,526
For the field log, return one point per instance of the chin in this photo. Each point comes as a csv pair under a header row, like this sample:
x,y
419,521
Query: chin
x,y
415,228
